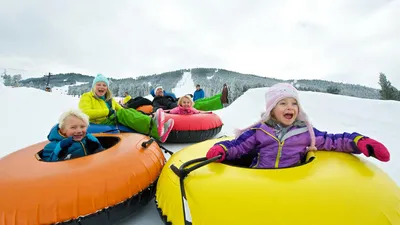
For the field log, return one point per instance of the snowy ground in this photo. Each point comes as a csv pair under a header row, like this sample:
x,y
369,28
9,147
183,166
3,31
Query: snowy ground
x,y
28,114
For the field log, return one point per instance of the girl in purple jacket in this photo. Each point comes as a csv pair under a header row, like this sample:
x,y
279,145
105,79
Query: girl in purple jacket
x,y
284,135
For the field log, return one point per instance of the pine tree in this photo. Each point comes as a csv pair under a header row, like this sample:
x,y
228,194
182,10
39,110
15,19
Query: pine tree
x,y
388,92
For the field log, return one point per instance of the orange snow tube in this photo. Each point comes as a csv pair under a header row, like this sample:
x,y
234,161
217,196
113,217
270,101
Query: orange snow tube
x,y
148,109
102,188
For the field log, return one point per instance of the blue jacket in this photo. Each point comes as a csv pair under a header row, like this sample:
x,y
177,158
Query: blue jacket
x,y
165,94
86,146
198,94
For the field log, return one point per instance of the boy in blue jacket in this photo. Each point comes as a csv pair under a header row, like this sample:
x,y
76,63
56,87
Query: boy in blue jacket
x,y
68,138
198,93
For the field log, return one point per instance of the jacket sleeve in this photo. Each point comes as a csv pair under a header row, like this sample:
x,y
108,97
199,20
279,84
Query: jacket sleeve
x,y
242,145
126,99
156,103
54,155
201,94
85,104
116,105
172,105
174,110
194,111
342,142
48,150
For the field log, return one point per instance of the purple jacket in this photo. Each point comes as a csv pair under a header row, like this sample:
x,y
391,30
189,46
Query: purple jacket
x,y
273,153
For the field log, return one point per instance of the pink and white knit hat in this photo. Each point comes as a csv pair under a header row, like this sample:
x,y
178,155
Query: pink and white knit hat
x,y
275,94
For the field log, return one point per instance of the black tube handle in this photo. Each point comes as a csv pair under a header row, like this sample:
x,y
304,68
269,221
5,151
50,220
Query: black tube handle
x,y
182,172
146,144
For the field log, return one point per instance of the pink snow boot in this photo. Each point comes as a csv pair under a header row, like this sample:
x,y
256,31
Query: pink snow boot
x,y
167,129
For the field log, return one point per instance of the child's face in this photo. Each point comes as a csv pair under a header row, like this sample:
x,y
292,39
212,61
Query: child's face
x,y
74,127
186,103
101,89
286,111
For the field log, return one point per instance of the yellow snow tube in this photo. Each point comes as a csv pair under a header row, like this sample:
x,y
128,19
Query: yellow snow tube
x,y
334,188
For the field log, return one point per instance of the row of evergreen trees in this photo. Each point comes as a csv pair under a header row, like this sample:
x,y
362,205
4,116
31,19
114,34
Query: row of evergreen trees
x,y
236,84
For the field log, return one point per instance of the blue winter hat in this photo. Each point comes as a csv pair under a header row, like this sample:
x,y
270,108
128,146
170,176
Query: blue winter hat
x,y
100,78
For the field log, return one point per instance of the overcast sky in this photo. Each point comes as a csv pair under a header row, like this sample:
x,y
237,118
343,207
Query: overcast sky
x,y
341,40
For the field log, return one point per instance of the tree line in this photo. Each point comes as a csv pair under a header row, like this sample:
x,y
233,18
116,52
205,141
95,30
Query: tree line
x,y
210,79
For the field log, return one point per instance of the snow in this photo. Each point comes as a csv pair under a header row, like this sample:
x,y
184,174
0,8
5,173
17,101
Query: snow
x,y
64,89
211,77
185,85
30,113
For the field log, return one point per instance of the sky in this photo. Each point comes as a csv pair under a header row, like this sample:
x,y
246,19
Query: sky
x,y
337,40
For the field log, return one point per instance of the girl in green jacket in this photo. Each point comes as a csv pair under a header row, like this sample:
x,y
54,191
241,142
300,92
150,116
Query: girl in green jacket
x,y
102,108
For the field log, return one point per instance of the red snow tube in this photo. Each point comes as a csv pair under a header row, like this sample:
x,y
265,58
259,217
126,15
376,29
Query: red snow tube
x,y
193,128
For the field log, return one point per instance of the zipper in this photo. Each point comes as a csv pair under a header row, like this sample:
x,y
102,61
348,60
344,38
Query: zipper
x,y
279,153
84,149
281,143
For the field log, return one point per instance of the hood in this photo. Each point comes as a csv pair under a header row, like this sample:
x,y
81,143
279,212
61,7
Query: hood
x,y
54,134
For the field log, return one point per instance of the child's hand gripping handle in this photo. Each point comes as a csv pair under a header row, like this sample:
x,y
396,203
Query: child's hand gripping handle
x,y
216,150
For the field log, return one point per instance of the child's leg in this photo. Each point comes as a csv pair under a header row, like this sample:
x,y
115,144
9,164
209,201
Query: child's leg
x,y
139,122
109,121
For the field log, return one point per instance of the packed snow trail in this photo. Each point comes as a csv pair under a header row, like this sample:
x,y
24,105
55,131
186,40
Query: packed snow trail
x,y
185,85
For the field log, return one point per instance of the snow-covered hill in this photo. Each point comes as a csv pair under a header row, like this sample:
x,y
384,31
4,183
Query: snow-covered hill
x,y
28,114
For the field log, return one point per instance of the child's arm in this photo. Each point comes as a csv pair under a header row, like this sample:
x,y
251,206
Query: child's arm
x,y
342,142
61,149
195,111
352,143
48,150
116,105
236,148
204,112
173,111
85,104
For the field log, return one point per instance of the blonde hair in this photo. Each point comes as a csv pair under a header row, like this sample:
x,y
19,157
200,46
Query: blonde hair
x,y
73,112
185,96
108,93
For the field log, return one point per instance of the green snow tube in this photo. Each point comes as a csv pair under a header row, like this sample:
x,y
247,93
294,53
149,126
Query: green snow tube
x,y
209,104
